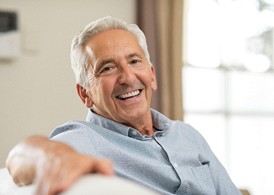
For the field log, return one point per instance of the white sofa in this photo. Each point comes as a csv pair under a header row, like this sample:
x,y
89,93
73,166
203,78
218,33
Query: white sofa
x,y
8,187
87,185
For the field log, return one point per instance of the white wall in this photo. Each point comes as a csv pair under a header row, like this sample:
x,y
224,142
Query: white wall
x,y
38,89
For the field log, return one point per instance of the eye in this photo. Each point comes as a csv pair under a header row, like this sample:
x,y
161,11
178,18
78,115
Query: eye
x,y
107,68
135,61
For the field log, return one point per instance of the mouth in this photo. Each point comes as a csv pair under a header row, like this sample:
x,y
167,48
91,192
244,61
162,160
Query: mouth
x,y
129,95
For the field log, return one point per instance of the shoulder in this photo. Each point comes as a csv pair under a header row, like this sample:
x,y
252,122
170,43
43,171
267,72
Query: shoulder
x,y
178,128
163,122
72,126
186,129
79,135
188,135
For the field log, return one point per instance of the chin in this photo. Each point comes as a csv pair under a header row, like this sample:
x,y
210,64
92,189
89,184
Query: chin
x,y
137,113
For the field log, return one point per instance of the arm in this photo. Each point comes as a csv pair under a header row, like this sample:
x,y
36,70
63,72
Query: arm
x,y
54,166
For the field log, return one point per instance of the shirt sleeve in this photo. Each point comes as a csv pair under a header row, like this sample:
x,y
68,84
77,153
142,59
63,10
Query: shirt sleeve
x,y
77,135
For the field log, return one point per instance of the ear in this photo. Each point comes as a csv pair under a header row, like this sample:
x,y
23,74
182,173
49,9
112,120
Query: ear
x,y
84,95
153,79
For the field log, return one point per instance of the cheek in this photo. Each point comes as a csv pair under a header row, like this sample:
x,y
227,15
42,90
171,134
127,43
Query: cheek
x,y
105,88
150,80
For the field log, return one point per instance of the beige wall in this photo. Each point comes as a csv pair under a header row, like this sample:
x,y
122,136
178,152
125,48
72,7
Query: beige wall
x,y
38,89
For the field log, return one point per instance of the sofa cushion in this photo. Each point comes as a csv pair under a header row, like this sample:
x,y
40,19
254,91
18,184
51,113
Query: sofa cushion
x,y
88,184
8,187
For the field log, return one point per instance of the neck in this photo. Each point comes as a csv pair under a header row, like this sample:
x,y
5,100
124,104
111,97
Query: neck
x,y
143,125
146,130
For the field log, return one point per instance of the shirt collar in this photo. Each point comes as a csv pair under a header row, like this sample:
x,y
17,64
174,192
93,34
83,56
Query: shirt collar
x,y
160,123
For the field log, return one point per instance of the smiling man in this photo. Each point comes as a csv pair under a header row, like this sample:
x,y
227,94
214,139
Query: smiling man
x,y
115,80
123,76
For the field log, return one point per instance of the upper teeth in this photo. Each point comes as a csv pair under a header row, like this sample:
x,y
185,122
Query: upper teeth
x,y
127,95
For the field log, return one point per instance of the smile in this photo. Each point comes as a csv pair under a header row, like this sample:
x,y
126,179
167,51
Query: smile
x,y
129,95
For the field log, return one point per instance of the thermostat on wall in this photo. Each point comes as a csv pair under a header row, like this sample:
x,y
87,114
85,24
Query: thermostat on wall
x,y
9,35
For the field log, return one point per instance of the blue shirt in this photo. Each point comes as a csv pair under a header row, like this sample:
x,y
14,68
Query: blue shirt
x,y
176,160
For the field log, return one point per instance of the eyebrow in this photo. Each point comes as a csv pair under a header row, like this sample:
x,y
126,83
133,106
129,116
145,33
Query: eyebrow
x,y
98,65
131,55
104,62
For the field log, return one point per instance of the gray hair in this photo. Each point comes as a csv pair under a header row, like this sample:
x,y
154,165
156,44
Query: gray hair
x,y
80,58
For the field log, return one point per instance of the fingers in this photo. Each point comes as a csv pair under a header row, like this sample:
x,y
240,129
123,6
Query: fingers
x,y
59,173
22,176
48,174
53,165
21,163
103,166
85,165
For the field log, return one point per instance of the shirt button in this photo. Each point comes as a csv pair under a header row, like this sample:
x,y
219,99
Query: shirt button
x,y
134,133
159,134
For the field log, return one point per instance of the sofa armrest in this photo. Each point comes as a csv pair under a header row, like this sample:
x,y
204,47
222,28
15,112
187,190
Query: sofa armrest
x,y
88,184
8,187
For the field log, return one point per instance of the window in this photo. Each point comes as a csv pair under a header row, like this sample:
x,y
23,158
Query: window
x,y
228,85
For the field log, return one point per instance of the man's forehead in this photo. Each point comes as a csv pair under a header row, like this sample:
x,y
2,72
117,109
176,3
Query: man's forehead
x,y
112,43
112,37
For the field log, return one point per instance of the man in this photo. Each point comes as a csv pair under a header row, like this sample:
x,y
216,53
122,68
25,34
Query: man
x,y
115,80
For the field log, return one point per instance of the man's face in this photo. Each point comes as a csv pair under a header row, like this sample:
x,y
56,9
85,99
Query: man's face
x,y
123,80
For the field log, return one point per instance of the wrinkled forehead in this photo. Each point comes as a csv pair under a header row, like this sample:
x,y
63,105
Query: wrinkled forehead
x,y
113,43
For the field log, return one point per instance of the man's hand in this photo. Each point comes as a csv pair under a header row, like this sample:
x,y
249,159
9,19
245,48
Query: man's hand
x,y
53,166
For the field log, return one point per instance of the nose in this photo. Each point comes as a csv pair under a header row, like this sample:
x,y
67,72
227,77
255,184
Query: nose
x,y
126,75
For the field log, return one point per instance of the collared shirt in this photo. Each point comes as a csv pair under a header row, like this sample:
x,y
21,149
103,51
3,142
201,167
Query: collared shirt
x,y
176,160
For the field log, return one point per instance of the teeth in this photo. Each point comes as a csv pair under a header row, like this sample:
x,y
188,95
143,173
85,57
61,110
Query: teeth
x,y
128,95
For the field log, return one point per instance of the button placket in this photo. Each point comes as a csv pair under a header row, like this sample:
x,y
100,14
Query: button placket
x,y
175,165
